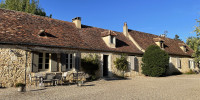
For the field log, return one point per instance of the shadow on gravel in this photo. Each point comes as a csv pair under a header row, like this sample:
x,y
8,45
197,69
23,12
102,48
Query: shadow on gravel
x,y
2,87
115,79
39,89
88,85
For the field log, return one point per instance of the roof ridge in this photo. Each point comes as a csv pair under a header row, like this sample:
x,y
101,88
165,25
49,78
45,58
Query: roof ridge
x,y
155,35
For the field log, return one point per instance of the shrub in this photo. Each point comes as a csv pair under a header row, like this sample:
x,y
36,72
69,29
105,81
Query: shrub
x,y
155,61
19,85
90,65
121,63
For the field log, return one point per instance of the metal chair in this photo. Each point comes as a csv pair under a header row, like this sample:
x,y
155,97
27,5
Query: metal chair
x,y
33,79
49,78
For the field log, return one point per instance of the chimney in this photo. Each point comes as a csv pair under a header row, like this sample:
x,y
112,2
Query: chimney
x,y
77,22
125,29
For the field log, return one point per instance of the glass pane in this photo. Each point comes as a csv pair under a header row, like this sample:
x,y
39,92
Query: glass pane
x,y
40,60
40,54
70,60
70,56
46,66
47,61
47,55
40,66
70,65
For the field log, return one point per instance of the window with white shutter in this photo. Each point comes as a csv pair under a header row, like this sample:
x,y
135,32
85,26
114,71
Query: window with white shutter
x,y
178,62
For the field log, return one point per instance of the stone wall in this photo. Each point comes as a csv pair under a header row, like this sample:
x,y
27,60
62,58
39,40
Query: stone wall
x,y
113,71
12,65
173,68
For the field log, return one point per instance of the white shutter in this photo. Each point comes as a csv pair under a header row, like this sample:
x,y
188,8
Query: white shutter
x,y
178,63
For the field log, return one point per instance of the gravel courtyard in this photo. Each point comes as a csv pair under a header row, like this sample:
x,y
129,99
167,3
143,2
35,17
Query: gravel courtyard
x,y
181,87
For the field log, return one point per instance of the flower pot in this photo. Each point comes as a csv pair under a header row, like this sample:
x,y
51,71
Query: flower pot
x,y
21,89
80,83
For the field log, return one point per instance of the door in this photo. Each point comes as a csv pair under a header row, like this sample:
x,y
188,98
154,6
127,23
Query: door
x,y
105,65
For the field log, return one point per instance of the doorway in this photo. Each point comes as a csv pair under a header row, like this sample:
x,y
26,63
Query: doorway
x,y
105,65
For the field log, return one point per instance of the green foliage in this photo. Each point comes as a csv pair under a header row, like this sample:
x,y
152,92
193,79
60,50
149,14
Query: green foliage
x,y
194,43
177,37
197,28
121,63
155,61
90,64
29,6
19,85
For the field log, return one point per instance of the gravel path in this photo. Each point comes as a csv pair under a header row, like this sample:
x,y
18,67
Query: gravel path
x,y
182,87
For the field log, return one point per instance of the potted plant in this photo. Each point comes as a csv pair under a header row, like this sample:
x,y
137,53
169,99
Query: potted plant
x,y
21,87
80,83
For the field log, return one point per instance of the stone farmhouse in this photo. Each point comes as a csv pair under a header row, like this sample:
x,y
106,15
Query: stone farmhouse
x,y
35,44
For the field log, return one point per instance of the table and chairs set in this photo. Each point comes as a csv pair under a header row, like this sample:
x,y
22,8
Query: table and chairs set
x,y
53,79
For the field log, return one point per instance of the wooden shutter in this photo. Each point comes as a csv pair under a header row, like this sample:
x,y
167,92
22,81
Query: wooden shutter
x,y
54,63
35,59
63,62
77,61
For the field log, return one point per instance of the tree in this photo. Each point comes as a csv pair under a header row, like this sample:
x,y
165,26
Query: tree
x,y
194,43
24,6
121,63
177,37
155,61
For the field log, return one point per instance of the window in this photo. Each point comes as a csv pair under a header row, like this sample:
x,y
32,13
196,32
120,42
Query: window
x,y
161,44
69,58
178,62
43,61
112,39
191,64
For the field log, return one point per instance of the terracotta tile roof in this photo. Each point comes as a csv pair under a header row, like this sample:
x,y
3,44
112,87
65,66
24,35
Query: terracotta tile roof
x,y
22,28
107,33
171,46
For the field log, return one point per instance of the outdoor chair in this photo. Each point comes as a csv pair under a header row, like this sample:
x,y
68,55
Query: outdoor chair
x,y
49,78
80,76
33,80
57,78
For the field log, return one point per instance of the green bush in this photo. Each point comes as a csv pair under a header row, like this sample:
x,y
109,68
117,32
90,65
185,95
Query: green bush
x,y
19,84
90,64
155,61
121,63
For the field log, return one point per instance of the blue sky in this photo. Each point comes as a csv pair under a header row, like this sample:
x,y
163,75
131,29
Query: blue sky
x,y
151,16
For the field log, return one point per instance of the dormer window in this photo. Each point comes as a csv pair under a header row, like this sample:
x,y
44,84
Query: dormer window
x,y
183,46
162,44
159,42
112,39
109,38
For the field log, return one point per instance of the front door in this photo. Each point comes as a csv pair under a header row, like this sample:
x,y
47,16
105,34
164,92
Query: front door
x,y
105,65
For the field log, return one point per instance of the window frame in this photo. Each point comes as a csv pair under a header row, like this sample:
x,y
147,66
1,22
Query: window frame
x,y
69,61
178,61
112,39
44,61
